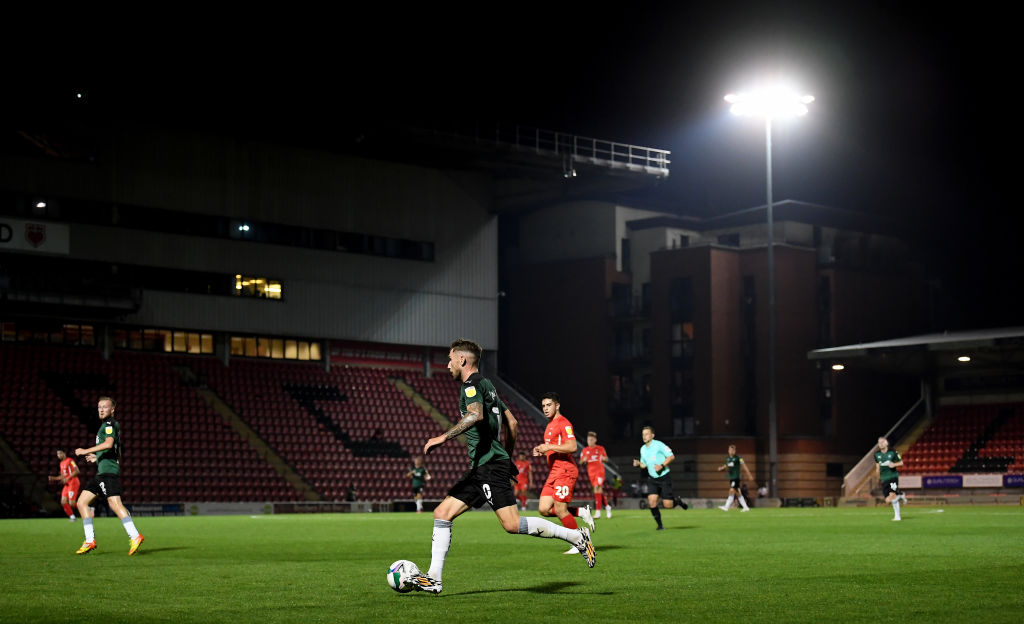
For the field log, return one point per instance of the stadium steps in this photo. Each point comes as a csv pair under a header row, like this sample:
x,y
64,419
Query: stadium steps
x,y
421,402
29,481
258,444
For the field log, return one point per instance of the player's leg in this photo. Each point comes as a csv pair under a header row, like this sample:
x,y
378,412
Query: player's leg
x,y
135,538
66,502
73,500
742,501
732,497
892,497
84,499
440,542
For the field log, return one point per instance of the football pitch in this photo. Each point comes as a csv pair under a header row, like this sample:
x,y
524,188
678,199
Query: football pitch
x,y
769,565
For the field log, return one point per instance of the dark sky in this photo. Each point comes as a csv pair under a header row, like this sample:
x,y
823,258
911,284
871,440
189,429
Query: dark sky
x,y
908,120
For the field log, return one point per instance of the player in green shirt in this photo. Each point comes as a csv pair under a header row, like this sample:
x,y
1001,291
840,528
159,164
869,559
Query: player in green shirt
x,y
106,454
734,463
420,476
886,463
490,474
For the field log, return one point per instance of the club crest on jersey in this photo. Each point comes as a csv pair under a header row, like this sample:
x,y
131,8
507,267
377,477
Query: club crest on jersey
x,y
471,391
109,430
568,430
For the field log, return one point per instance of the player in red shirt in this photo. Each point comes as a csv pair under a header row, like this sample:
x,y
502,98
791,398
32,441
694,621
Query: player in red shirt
x,y
559,446
524,480
593,456
69,477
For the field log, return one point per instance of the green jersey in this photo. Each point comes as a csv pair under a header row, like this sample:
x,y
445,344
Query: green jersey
x,y
888,473
733,462
482,438
419,477
109,461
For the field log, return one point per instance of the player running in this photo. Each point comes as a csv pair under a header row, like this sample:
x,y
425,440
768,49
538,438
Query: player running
x,y
69,477
594,456
106,454
489,478
559,445
734,463
524,480
886,463
419,476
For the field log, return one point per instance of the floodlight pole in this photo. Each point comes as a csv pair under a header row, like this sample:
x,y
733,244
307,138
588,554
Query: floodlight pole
x,y
773,423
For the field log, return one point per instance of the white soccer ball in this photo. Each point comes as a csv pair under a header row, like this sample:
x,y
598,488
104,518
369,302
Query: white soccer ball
x,y
399,573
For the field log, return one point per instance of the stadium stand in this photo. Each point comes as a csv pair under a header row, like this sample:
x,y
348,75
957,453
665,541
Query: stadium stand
x,y
970,439
347,427
175,447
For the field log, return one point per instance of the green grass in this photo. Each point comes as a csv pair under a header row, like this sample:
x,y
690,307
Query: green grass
x,y
770,565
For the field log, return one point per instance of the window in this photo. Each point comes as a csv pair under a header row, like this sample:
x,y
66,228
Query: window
x,y
732,240
48,332
275,348
162,340
257,287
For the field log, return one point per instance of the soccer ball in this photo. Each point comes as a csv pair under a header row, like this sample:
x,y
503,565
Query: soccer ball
x,y
399,573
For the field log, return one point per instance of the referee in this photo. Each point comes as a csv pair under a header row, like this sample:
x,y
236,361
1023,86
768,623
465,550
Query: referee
x,y
655,456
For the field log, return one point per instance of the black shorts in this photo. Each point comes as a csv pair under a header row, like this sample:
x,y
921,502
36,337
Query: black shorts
x,y
490,483
417,489
892,486
662,486
734,484
105,485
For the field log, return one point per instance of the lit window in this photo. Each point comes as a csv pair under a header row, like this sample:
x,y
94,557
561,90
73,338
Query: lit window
x,y
247,286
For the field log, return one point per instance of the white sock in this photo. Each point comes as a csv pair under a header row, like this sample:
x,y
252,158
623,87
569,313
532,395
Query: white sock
x,y
539,527
440,542
607,507
743,502
896,507
72,516
129,527
419,504
90,534
728,503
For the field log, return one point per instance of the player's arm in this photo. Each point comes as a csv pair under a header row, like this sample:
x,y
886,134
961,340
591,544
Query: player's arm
x,y
105,445
426,475
664,464
569,446
898,462
474,414
510,431
638,463
74,471
746,470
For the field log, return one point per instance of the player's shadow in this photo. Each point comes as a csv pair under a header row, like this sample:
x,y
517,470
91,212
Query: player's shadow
x,y
544,588
149,551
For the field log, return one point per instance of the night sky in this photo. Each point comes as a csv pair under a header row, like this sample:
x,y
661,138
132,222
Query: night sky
x,y
909,120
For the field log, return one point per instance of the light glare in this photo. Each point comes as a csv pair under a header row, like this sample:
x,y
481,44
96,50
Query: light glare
x,y
838,367
771,103
964,358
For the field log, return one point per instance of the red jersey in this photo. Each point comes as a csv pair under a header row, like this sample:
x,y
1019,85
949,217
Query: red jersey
x,y
559,431
523,478
67,468
593,455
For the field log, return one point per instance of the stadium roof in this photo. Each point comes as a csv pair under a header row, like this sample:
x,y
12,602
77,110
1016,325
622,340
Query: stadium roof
x,y
994,348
